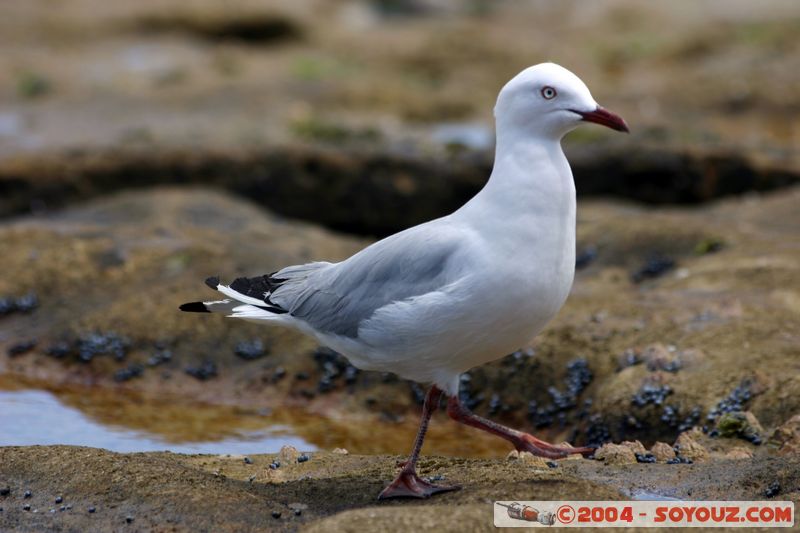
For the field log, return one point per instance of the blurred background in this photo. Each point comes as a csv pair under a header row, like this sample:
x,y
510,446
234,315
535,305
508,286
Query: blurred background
x,y
147,145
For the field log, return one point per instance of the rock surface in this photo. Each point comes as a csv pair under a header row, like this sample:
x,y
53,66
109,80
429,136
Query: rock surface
x,y
712,333
687,447
662,451
368,191
283,103
333,492
615,454
786,437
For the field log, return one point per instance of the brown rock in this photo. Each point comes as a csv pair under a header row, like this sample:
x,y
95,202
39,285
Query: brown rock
x,y
739,424
739,453
662,451
288,454
786,437
529,459
635,446
689,448
615,454
657,356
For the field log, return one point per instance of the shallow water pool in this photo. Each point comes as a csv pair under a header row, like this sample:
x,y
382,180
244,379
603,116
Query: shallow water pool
x,y
29,417
123,421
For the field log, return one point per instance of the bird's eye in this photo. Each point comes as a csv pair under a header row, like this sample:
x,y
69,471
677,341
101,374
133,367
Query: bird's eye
x,y
548,92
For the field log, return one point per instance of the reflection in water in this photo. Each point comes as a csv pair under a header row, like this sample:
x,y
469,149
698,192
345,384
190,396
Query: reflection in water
x,y
126,422
37,417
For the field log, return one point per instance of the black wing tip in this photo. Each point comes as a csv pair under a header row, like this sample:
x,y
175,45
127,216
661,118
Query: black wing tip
x,y
194,307
213,282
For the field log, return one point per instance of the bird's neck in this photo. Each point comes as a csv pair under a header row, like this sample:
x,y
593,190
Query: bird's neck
x,y
531,178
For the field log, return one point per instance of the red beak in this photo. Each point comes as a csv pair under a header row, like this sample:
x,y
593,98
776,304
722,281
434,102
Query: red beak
x,y
604,117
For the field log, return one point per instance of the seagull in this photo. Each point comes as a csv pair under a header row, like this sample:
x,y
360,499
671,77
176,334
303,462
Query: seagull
x,y
433,301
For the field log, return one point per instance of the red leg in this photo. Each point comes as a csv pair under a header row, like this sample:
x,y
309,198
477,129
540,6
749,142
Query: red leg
x,y
408,484
521,441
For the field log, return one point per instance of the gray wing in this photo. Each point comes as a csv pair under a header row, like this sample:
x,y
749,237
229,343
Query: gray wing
x,y
336,298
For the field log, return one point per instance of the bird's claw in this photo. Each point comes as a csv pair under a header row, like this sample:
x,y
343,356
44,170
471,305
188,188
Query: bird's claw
x,y
410,485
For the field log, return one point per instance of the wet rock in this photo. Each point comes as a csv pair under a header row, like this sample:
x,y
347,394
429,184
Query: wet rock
x,y
773,490
662,451
5,490
719,282
249,350
585,257
303,458
7,306
27,494
288,454
645,458
204,371
628,358
254,29
23,304
27,303
161,356
615,454
680,460
740,425
786,437
59,350
128,373
687,447
736,401
21,348
597,432
101,343
651,393
654,267
563,400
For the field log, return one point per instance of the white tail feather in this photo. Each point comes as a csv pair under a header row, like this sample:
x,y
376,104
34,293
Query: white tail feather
x,y
252,312
227,291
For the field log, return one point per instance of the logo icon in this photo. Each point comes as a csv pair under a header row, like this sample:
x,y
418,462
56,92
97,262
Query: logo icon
x,y
517,511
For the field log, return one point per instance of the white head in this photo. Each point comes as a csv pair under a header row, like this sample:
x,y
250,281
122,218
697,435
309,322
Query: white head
x,y
547,100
